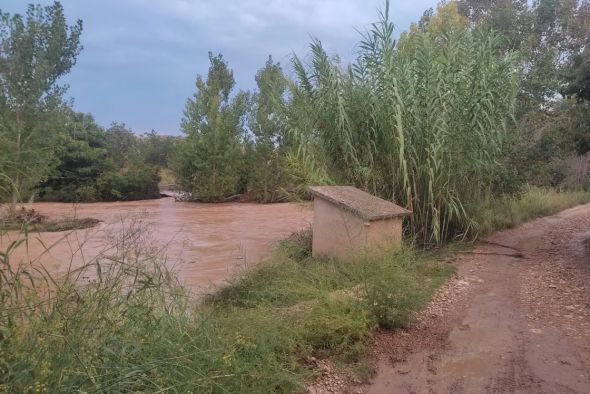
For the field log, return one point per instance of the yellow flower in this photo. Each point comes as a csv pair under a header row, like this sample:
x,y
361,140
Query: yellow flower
x,y
241,340
45,368
227,358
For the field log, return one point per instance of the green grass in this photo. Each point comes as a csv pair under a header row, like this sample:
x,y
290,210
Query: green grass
x,y
135,329
509,212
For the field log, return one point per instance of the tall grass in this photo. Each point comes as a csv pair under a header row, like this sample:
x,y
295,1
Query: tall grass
x,y
131,327
508,212
420,122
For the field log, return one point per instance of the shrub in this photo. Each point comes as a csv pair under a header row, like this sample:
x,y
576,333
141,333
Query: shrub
x,y
134,183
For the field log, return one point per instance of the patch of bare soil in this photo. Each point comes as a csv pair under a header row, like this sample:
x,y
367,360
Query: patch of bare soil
x,y
516,319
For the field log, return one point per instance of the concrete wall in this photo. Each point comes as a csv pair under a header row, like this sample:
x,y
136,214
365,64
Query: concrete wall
x,y
341,234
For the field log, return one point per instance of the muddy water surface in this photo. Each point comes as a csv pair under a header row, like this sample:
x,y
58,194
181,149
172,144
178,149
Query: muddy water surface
x,y
204,243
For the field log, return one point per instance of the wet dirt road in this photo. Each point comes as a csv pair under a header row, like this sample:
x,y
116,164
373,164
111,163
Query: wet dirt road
x,y
204,242
515,320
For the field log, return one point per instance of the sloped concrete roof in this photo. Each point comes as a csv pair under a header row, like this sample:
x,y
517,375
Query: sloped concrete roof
x,y
360,203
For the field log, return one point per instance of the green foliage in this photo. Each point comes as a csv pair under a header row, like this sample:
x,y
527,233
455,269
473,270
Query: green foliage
x,y
546,140
157,150
138,182
209,159
507,212
36,50
267,170
410,122
578,75
547,33
82,158
551,37
94,165
134,328
122,145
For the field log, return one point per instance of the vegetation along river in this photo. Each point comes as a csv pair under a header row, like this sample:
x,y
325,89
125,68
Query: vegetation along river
x,y
203,243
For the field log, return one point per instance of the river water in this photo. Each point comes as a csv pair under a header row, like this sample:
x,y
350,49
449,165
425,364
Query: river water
x,y
204,243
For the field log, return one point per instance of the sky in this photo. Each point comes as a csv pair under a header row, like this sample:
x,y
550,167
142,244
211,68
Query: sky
x,y
141,57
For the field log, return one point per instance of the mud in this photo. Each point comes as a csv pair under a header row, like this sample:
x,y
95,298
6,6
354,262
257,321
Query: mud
x,y
508,323
204,243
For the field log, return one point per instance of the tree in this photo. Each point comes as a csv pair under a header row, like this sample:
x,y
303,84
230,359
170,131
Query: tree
x,y
87,170
157,149
82,158
547,34
122,145
208,160
36,50
267,168
578,76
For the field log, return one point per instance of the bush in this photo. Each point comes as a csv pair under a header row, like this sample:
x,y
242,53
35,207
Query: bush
x,y
134,183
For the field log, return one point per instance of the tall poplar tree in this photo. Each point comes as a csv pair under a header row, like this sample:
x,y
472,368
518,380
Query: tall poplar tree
x,y
267,171
36,50
209,159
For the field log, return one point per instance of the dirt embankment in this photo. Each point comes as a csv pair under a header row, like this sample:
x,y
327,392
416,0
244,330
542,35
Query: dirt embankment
x,y
516,319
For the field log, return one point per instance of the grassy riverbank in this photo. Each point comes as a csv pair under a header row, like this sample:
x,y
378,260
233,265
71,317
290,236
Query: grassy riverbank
x,y
531,204
132,327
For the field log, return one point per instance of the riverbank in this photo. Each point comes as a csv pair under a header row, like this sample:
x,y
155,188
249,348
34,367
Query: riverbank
x,y
277,327
134,328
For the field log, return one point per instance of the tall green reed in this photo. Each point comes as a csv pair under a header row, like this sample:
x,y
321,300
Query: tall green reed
x,y
420,121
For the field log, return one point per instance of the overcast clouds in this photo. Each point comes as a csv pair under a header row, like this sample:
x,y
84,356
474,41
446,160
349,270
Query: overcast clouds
x,y
141,57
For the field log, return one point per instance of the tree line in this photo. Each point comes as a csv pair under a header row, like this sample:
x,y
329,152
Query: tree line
x,y
49,151
472,102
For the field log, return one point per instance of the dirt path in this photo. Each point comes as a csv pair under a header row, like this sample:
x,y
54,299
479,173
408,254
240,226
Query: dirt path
x,y
515,320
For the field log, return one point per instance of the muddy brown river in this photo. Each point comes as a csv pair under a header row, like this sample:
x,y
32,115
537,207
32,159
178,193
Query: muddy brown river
x,y
203,243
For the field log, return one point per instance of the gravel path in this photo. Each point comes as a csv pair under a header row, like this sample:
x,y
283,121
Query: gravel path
x,y
516,319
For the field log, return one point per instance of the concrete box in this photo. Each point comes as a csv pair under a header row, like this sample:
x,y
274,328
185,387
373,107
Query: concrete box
x,y
348,222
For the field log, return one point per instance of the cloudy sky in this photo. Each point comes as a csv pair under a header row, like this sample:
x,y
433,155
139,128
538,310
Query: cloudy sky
x,y
141,57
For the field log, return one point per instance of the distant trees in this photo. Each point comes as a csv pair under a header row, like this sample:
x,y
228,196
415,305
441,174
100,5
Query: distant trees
x,y
551,38
234,144
548,35
122,144
82,157
36,50
578,75
156,149
91,166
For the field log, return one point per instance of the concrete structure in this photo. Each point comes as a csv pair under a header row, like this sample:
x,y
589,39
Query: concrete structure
x,y
348,222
